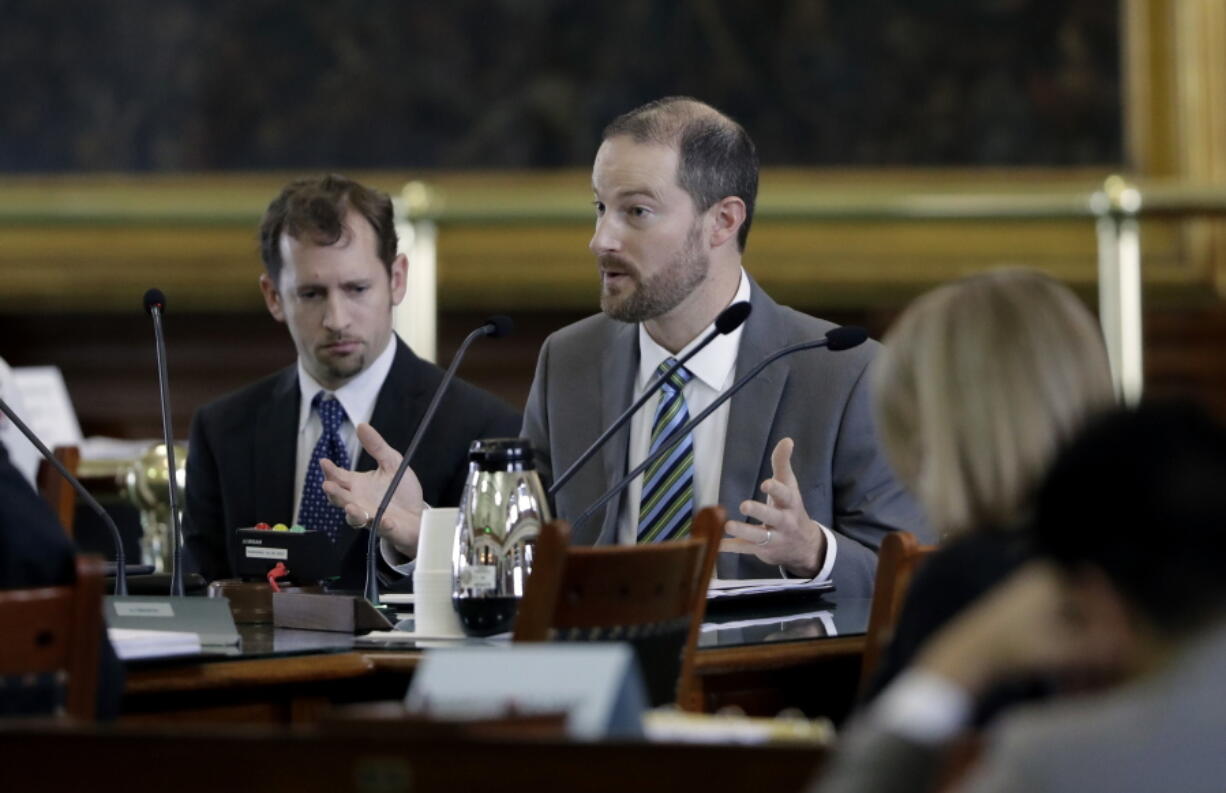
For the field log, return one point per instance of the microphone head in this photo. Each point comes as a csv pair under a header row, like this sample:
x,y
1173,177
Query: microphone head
x,y
499,326
733,317
845,338
154,297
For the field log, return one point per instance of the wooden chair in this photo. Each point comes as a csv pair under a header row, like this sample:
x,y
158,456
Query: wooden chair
x,y
899,556
52,631
653,596
56,490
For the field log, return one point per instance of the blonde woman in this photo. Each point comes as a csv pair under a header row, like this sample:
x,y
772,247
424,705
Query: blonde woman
x,y
981,382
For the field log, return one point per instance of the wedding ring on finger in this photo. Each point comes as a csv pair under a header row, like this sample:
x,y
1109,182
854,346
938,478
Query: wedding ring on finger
x,y
358,524
767,539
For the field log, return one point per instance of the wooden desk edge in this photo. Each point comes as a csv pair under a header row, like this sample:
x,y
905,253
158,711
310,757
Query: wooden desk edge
x,y
716,660
337,666
250,673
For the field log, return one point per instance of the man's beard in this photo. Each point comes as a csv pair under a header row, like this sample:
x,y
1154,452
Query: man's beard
x,y
664,291
344,371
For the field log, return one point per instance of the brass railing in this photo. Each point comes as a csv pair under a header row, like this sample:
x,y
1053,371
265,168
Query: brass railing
x,y
1116,210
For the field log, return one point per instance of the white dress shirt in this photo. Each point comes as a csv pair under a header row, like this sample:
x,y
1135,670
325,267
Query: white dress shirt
x,y
923,707
358,397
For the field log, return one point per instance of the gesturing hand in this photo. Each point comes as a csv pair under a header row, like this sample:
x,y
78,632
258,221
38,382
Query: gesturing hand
x,y
787,535
1038,620
359,493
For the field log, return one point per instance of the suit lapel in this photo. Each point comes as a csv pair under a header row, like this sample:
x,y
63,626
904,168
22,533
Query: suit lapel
x,y
617,375
400,406
752,413
401,403
274,451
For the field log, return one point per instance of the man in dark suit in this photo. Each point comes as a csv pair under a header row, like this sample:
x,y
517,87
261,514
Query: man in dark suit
x,y
333,277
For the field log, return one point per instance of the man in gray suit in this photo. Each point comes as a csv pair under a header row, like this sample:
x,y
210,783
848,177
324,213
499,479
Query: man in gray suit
x,y
675,183
1131,525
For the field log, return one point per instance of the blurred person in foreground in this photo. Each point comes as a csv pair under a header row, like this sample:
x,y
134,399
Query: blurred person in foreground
x,y
979,385
1130,534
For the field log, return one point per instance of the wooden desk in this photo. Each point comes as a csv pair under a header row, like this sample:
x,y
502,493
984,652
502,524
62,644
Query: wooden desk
x,y
244,758
292,676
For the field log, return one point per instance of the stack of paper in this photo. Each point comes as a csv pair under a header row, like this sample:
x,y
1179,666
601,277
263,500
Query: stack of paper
x,y
672,726
131,644
723,588
825,617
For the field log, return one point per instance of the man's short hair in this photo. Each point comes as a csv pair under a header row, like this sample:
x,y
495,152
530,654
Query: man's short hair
x,y
314,209
1141,496
716,156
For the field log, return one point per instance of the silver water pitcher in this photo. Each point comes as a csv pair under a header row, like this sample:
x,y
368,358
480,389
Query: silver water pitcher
x,y
501,513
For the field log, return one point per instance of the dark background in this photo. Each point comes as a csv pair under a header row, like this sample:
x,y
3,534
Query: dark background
x,y
190,85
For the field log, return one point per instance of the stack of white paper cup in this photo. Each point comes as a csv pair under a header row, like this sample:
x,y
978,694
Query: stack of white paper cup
x,y
433,614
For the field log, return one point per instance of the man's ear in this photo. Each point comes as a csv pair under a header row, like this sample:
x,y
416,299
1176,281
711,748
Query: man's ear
x,y
399,277
272,297
728,215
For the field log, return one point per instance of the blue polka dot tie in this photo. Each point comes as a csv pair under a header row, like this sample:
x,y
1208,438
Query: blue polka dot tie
x,y
667,506
315,511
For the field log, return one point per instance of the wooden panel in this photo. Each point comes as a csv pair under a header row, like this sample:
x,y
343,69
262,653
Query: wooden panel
x,y
241,758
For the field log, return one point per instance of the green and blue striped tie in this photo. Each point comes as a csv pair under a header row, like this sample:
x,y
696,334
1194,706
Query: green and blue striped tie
x,y
667,505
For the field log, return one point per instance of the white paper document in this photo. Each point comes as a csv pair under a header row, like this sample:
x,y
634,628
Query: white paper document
x,y
131,644
825,617
722,588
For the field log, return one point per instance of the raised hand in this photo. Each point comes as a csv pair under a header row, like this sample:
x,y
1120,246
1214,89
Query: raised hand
x,y
359,493
787,535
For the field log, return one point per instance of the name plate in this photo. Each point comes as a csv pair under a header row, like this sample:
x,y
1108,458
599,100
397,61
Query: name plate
x,y
150,609
597,686
256,552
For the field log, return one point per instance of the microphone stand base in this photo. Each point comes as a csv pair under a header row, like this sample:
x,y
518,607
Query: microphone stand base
x,y
338,613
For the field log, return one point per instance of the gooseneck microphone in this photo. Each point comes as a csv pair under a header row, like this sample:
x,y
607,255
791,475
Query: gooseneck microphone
x,y
121,573
836,339
155,305
729,320
494,327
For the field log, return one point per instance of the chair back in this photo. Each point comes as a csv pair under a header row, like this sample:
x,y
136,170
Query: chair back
x,y
56,490
897,560
52,640
652,596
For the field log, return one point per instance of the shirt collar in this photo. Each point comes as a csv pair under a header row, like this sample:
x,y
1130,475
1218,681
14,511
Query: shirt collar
x,y
357,396
712,366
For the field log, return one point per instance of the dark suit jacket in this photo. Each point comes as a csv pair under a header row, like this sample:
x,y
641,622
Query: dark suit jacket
x,y
241,458
34,552
585,378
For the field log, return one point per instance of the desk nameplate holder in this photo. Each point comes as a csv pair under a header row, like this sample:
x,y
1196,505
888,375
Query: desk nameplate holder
x,y
339,613
209,618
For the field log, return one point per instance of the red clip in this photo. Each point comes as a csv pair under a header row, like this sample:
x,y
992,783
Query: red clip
x,y
278,571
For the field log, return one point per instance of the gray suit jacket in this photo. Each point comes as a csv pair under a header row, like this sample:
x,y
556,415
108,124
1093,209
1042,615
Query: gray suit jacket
x,y
1163,733
585,378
